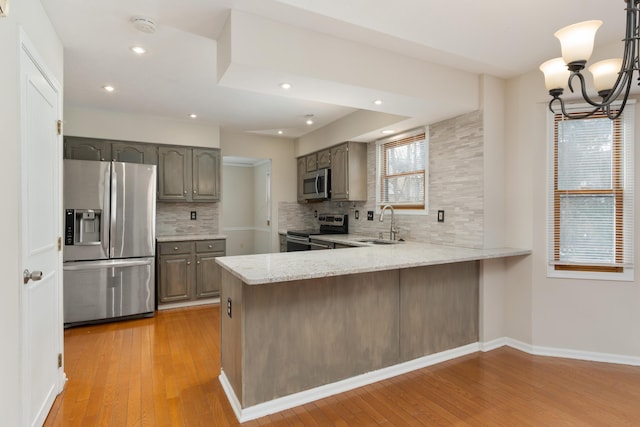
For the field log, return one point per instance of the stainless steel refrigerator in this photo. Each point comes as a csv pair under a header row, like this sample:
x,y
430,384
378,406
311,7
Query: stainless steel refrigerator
x,y
109,242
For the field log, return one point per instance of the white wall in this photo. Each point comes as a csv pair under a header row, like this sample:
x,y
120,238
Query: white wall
x,y
582,315
95,123
237,209
29,15
283,167
262,222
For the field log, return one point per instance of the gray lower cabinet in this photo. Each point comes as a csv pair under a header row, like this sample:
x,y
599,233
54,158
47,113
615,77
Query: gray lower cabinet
x,y
187,270
188,174
283,242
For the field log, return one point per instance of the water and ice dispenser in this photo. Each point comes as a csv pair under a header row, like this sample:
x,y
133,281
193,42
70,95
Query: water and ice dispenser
x,y
82,227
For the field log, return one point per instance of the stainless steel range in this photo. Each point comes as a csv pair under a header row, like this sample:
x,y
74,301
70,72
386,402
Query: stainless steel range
x,y
302,240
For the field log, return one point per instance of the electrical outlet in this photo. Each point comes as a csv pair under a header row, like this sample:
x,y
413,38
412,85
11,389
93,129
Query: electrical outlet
x,y
440,216
357,214
193,215
369,215
229,307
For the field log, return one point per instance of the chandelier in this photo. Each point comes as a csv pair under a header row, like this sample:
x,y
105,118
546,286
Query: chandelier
x,y
611,77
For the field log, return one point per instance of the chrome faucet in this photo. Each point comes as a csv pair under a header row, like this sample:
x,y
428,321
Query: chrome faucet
x,y
393,231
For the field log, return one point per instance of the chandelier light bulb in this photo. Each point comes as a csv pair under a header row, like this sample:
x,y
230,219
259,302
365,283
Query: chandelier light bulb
x,y
605,73
577,41
556,73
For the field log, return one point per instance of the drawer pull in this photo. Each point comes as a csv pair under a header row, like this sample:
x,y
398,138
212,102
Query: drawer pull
x,y
175,248
210,246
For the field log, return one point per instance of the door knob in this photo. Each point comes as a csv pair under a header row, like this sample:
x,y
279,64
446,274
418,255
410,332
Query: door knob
x,y
27,275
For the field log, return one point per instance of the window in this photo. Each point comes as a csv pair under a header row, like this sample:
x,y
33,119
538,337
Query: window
x,y
590,211
402,174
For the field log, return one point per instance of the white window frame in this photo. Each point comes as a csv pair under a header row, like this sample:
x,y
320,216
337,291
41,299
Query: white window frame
x,y
379,168
628,273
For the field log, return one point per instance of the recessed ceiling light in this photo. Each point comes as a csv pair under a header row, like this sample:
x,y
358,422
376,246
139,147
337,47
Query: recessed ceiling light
x,y
108,88
388,131
309,118
193,115
139,50
378,101
285,86
280,132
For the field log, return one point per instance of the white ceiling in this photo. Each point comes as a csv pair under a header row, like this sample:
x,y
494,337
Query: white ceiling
x,y
178,74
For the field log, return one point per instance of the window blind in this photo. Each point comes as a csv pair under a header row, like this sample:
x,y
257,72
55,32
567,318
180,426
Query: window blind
x,y
402,169
590,213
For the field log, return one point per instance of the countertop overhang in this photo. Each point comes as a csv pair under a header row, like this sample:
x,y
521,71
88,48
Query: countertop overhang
x,y
185,237
288,266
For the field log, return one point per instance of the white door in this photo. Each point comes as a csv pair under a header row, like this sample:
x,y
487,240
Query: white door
x,y
41,326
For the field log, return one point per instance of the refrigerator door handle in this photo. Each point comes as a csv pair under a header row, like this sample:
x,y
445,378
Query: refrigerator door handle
x,y
114,211
106,209
92,265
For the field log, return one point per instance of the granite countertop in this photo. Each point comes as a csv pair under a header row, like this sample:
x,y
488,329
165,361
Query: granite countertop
x,y
288,266
182,237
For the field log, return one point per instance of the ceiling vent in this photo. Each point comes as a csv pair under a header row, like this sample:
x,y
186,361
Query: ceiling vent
x,y
146,25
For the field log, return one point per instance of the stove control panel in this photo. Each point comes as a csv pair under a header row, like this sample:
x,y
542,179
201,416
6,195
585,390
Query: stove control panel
x,y
333,222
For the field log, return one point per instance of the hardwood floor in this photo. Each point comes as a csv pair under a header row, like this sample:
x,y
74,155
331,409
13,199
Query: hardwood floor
x,y
163,372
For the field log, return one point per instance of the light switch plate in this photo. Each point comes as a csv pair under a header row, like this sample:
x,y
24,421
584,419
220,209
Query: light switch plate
x,y
440,216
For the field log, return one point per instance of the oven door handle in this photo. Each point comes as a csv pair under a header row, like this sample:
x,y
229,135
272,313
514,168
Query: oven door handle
x,y
300,240
320,245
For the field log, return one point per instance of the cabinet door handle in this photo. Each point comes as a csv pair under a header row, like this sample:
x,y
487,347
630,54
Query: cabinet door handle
x,y
194,191
185,191
198,262
188,262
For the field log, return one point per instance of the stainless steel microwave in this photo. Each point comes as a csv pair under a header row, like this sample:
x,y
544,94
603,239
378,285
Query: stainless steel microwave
x,y
316,185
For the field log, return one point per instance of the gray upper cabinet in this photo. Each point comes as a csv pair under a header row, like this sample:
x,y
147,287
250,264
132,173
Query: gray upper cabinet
x,y
174,174
206,173
188,174
132,152
312,162
302,169
349,172
324,159
86,149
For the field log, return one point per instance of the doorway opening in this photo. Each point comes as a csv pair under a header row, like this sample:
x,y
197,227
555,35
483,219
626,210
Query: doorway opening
x,y
246,205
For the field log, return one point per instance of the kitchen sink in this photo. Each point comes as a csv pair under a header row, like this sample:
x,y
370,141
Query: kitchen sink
x,y
379,241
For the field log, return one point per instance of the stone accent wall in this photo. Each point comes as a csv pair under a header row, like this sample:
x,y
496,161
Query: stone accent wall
x,y
175,218
456,174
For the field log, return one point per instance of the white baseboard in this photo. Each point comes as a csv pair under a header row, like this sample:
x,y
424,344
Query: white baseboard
x,y
317,393
573,354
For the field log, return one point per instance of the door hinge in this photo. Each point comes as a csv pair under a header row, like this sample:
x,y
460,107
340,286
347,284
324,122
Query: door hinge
x,y
59,244
59,360
59,126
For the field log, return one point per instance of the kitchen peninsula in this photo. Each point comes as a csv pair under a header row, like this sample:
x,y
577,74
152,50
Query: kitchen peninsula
x,y
299,326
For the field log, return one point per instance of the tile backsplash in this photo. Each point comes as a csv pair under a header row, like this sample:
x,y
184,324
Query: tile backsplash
x,y
175,218
456,175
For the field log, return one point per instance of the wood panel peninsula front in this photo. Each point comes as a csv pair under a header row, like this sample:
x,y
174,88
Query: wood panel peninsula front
x,y
299,326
